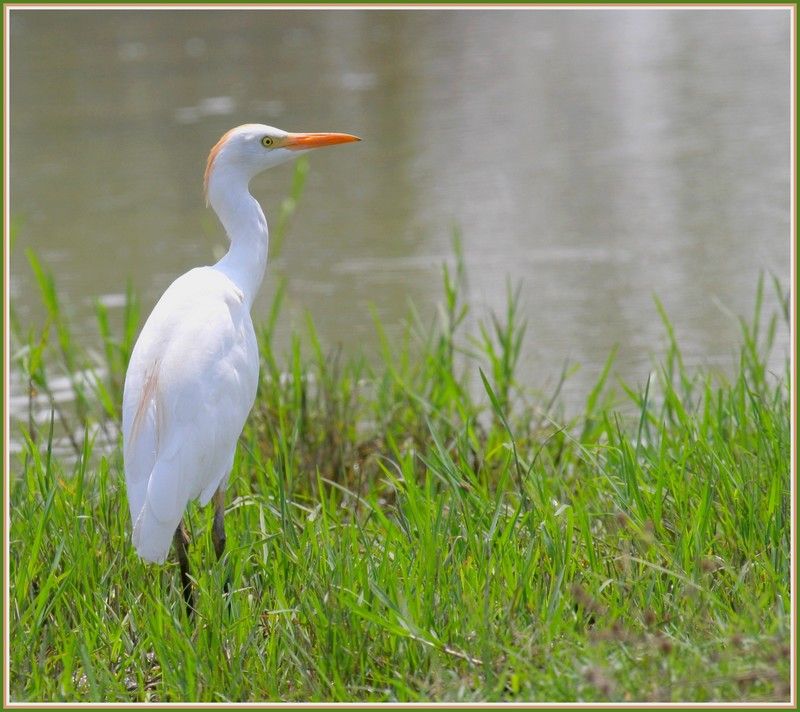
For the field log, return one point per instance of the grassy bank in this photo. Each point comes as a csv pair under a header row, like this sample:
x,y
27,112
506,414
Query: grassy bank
x,y
418,529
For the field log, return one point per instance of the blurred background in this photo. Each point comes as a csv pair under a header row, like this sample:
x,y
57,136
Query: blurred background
x,y
595,157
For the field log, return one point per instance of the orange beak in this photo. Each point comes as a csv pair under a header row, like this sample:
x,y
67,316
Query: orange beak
x,y
304,141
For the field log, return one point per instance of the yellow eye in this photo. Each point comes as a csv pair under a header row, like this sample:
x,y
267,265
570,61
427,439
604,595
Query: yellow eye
x,y
267,142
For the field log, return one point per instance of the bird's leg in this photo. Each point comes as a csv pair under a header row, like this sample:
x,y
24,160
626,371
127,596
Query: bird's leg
x,y
218,531
182,548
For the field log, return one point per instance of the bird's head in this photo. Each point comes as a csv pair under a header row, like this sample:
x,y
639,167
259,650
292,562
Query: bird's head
x,y
244,152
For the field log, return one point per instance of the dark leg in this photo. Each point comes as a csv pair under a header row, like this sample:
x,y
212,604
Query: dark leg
x,y
218,531
182,548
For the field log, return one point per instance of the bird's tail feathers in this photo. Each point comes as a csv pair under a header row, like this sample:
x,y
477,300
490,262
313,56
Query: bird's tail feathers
x,y
161,513
152,537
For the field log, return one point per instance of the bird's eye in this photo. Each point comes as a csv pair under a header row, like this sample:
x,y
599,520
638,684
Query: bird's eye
x,y
267,142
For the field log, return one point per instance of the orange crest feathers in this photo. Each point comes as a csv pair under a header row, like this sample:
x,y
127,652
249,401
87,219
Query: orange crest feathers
x,y
212,156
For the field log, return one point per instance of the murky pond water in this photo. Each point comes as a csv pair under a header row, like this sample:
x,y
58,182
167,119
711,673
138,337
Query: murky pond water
x,y
596,157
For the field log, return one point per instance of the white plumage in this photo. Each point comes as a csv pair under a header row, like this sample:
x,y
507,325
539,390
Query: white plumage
x,y
190,386
193,373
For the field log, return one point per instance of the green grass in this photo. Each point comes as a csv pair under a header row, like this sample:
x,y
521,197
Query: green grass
x,y
417,527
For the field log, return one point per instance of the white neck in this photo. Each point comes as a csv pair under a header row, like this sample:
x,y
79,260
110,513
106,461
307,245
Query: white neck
x,y
244,222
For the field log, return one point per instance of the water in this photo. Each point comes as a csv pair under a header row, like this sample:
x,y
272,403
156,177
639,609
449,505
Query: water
x,y
596,157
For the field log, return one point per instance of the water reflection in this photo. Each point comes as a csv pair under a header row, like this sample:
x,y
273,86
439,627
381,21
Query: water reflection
x,y
598,157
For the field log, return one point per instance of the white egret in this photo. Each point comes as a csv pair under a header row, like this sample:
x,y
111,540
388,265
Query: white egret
x,y
192,377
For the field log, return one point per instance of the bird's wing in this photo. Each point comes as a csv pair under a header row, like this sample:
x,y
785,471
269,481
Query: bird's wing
x,y
190,386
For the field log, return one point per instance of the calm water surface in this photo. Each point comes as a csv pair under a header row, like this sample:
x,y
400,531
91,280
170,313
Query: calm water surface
x,y
595,157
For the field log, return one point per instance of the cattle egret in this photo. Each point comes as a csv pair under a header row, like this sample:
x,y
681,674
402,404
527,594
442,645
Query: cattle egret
x,y
193,372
